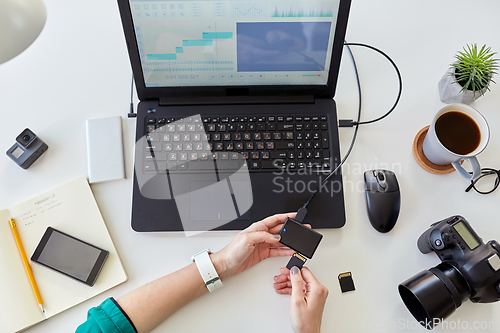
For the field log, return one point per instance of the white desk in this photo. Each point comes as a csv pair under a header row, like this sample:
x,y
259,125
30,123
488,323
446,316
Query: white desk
x,y
79,68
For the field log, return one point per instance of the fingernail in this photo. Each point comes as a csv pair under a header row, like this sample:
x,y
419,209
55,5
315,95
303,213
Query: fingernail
x,y
277,236
294,270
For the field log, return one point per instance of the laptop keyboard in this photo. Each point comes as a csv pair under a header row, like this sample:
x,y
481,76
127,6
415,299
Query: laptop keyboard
x,y
267,143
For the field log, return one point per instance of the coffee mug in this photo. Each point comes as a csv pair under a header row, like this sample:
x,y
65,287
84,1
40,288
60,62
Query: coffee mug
x,y
458,132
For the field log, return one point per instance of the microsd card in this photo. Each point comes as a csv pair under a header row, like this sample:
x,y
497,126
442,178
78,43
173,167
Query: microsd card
x,y
296,260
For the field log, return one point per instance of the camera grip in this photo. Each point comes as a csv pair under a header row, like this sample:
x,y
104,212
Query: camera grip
x,y
425,241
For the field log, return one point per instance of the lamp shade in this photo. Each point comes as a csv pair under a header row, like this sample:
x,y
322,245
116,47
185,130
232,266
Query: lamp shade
x,y
21,21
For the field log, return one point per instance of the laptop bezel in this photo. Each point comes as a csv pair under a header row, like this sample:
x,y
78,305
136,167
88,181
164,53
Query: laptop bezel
x,y
149,93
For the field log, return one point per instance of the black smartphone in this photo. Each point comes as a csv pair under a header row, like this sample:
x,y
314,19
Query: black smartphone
x,y
70,256
300,238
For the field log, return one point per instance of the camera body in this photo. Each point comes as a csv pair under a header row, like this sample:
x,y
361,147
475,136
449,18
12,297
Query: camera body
x,y
455,242
469,269
27,149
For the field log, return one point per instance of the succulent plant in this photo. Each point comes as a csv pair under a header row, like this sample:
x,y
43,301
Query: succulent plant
x,y
474,69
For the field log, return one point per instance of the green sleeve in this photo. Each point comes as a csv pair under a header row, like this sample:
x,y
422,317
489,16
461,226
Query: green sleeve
x,y
107,318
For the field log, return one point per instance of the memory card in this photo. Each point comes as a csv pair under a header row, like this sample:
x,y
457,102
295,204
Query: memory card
x,y
296,260
346,282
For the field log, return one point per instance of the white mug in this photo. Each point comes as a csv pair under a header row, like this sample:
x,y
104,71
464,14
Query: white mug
x,y
438,154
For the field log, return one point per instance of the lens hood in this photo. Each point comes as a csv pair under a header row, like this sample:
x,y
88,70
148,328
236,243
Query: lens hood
x,y
432,295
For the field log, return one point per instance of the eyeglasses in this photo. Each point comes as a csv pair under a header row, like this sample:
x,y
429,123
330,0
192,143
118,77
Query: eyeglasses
x,y
486,183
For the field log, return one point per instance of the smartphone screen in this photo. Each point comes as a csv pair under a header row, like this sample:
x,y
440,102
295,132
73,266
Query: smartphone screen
x,y
70,256
300,238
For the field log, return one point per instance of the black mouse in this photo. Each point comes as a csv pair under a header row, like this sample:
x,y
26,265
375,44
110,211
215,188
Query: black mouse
x,y
383,199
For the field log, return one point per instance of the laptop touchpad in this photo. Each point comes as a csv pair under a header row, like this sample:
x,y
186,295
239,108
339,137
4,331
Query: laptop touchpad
x,y
220,201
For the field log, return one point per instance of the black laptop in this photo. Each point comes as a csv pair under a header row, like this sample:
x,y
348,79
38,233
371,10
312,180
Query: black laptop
x,y
237,120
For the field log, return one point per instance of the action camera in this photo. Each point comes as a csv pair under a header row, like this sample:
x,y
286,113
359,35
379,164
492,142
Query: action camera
x,y
27,149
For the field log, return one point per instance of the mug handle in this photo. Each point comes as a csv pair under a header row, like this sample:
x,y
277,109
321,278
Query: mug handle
x,y
476,168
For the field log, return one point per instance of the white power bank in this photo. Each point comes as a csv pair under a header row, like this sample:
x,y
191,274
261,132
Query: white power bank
x,y
105,149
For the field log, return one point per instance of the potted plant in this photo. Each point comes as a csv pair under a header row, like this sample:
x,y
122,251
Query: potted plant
x,y
469,76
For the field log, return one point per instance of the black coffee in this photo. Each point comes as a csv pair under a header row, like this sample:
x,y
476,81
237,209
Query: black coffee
x,y
458,132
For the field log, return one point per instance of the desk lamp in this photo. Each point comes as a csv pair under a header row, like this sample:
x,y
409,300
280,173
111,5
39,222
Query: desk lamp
x,y
21,21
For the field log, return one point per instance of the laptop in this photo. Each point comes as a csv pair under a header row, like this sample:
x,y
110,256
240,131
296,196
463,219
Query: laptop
x,y
236,120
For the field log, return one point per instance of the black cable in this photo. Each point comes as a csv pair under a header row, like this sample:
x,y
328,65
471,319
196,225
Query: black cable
x,y
349,123
353,137
399,78
131,113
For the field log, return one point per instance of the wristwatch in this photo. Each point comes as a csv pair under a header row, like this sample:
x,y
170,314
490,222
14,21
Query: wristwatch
x,y
207,270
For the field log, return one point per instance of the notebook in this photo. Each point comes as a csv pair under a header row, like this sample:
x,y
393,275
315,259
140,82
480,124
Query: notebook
x,y
258,77
70,208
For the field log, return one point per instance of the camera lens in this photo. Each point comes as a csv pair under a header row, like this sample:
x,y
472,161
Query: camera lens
x,y
26,138
432,295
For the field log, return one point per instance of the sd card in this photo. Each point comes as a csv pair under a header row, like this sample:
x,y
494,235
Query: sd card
x,y
346,282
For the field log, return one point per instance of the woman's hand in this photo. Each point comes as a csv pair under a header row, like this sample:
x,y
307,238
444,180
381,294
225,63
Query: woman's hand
x,y
252,245
308,298
151,304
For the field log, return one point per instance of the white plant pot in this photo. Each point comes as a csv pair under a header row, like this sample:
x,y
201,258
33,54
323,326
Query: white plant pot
x,y
449,91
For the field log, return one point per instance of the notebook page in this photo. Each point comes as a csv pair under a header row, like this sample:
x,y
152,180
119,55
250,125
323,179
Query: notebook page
x,y
18,305
70,208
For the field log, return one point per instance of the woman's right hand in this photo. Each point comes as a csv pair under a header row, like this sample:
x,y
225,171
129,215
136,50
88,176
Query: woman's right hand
x,y
308,298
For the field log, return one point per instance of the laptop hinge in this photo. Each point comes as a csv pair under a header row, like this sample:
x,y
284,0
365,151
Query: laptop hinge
x,y
214,100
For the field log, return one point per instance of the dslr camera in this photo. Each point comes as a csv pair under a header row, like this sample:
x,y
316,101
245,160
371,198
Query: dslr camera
x,y
469,269
27,149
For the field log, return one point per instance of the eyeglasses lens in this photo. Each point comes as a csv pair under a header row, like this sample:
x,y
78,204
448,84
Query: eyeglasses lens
x,y
487,182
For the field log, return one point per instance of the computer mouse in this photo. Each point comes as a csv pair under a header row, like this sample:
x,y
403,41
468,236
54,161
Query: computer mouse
x,y
383,199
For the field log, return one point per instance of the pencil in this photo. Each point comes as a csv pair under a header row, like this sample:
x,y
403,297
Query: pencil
x,y
26,264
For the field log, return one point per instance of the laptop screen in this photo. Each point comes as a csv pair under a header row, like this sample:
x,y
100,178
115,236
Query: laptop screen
x,y
234,43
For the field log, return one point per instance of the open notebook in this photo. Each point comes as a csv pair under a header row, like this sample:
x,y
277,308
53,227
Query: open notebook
x,y
70,208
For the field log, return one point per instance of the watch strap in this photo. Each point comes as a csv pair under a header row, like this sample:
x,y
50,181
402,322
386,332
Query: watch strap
x,y
207,270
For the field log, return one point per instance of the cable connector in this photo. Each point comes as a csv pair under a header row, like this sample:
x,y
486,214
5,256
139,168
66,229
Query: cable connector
x,y
301,214
346,123
131,114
